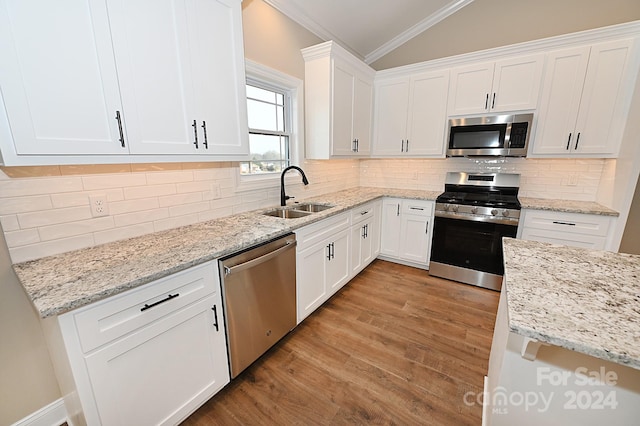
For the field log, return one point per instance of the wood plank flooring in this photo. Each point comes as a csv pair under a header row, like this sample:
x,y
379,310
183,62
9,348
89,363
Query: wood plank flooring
x,y
394,346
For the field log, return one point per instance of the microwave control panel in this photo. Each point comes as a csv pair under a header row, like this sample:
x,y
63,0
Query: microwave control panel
x,y
518,135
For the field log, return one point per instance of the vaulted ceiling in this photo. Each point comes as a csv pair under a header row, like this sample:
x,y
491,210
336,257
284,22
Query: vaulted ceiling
x,y
368,28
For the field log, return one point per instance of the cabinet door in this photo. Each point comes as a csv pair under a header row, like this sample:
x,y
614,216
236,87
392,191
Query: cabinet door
x,y
342,115
560,100
392,100
58,77
414,233
362,107
428,114
161,373
337,268
516,83
470,89
357,237
367,243
602,116
152,56
390,227
311,279
217,63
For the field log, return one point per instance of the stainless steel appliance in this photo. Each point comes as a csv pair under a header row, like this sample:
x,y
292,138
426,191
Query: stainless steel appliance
x,y
490,135
471,217
259,299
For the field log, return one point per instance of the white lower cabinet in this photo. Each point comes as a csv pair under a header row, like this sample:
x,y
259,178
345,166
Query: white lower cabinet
x,y
571,229
151,355
365,235
322,258
406,231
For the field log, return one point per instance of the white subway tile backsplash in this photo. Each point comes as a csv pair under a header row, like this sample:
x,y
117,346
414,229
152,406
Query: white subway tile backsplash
x,y
21,238
133,193
175,222
54,216
156,178
38,186
79,227
190,208
25,204
9,223
116,180
115,234
134,218
49,248
128,206
179,199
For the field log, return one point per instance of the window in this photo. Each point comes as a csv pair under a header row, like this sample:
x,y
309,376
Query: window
x,y
268,113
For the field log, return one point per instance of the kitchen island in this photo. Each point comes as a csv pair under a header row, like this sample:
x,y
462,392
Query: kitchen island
x,y
566,344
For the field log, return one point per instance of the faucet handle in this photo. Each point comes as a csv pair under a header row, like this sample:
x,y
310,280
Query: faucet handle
x,y
286,197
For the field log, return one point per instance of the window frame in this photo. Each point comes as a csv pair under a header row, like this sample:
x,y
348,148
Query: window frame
x,y
292,88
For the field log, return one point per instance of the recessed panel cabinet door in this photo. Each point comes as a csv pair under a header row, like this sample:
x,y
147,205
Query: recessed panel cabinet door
x,y
58,78
152,56
217,64
342,111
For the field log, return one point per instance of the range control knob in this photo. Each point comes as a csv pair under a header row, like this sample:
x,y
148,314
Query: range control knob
x,y
505,213
494,212
446,207
455,207
474,210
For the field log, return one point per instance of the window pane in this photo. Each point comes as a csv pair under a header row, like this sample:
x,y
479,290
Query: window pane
x,y
280,119
267,147
262,116
261,94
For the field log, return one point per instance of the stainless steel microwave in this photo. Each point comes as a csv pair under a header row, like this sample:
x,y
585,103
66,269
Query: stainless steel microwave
x,y
494,135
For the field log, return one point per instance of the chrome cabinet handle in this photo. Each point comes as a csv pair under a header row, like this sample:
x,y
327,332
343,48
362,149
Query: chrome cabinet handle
x,y
569,141
577,141
204,129
120,128
195,133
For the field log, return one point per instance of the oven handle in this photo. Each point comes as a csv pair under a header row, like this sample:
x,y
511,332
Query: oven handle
x,y
502,221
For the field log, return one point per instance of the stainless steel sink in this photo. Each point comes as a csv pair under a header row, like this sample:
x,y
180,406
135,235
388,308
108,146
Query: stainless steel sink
x,y
286,213
311,207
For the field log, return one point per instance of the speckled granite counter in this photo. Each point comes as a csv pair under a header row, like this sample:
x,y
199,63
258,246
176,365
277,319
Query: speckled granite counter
x,y
57,284
584,300
587,207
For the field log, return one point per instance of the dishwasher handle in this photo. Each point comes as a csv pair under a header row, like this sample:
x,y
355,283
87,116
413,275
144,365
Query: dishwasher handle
x,y
258,260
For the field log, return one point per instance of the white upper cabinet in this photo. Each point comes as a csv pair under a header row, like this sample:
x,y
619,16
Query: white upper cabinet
x,y
410,115
585,101
506,85
109,82
58,78
338,103
183,98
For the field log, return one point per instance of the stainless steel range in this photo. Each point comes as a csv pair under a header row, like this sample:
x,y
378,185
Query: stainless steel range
x,y
471,217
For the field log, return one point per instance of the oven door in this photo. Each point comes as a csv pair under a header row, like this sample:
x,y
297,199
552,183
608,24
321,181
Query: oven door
x,y
469,251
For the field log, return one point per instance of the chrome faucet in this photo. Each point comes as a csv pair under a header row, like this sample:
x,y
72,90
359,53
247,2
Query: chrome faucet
x,y
283,196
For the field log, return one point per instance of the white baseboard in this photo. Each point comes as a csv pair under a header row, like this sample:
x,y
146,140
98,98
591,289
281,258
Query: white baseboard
x,y
53,414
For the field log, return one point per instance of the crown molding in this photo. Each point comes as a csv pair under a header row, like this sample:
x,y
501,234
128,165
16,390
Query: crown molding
x,y
294,13
629,29
415,30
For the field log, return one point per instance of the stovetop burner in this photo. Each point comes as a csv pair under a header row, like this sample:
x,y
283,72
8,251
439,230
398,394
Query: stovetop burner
x,y
492,196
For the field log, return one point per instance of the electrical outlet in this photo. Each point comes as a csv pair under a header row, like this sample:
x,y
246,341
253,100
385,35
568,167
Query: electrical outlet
x,y
573,179
414,175
99,206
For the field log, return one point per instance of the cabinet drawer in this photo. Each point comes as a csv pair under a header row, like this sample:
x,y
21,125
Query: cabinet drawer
x,y
572,223
107,320
417,207
319,231
567,239
358,214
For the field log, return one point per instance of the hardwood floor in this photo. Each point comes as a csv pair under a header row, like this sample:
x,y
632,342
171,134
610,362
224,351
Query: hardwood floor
x,y
394,346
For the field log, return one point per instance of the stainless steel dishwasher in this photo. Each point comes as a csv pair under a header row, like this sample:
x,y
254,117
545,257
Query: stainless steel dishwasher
x,y
259,299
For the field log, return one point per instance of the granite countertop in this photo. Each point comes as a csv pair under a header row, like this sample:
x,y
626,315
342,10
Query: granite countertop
x,y
60,283
584,300
586,207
